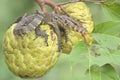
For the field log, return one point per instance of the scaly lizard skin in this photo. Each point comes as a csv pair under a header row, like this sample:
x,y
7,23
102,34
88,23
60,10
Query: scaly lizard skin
x,y
57,21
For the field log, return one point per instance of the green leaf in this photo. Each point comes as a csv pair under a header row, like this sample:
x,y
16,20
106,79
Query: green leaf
x,y
109,14
79,58
102,14
94,72
110,27
106,50
78,53
107,41
113,6
101,56
105,72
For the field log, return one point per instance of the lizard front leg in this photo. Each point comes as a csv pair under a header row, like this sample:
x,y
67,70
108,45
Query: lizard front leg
x,y
39,32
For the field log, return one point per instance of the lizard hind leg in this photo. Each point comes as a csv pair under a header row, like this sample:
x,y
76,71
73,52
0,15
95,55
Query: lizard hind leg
x,y
39,32
57,31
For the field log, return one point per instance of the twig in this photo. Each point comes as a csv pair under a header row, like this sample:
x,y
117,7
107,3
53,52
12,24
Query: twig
x,y
50,3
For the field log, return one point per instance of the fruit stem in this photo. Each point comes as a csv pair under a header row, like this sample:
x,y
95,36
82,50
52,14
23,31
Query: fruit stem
x,y
50,3
55,6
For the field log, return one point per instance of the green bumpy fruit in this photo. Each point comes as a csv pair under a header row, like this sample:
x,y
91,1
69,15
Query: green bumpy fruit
x,y
80,12
29,58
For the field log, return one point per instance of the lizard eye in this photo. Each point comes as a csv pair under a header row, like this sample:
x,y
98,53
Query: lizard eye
x,y
24,24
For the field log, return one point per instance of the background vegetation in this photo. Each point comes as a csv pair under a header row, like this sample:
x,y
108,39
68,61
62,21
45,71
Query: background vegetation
x,y
99,62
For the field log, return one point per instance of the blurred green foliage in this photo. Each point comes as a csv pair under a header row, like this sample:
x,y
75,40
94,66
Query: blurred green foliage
x,y
10,11
105,66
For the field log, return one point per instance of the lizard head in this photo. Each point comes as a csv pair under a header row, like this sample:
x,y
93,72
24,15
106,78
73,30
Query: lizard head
x,y
22,22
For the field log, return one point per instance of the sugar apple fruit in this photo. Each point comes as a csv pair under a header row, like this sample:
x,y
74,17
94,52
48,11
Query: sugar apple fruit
x,y
29,58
